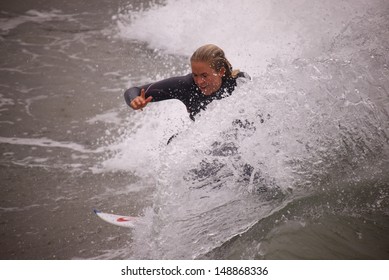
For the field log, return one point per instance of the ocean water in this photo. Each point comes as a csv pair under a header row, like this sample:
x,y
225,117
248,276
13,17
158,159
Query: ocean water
x,y
294,165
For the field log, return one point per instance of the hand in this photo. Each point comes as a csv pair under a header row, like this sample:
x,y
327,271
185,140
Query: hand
x,y
140,101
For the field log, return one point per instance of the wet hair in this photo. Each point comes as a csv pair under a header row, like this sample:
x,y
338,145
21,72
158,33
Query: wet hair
x,y
215,57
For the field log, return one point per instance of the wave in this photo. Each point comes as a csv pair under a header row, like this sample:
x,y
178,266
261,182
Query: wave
x,y
313,121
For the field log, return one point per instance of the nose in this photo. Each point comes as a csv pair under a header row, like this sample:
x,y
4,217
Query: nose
x,y
199,81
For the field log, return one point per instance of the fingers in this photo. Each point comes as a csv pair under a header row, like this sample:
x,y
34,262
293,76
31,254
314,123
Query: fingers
x,y
148,100
137,103
140,101
142,93
134,104
143,96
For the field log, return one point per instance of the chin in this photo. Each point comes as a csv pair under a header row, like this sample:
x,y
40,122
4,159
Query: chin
x,y
206,92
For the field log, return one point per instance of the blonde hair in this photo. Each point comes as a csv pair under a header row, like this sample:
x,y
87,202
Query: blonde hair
x,y
215,57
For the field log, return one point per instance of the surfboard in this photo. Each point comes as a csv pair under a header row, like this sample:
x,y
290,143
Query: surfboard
x,y
117,220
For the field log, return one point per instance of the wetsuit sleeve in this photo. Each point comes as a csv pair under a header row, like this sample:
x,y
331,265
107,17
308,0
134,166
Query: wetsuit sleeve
x,y
176,87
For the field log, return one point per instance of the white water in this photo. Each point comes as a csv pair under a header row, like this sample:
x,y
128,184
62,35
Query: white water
x,y
318,95
252,33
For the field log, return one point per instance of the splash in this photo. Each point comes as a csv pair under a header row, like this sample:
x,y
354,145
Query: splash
x,y
314,117
252,33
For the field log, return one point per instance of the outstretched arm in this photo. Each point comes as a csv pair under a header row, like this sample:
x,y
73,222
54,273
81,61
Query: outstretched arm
x,y
175,87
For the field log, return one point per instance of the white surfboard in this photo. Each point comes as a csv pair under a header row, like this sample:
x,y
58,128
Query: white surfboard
x,y
118,220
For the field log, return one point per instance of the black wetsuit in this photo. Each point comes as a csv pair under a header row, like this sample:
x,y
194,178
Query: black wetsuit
x,y
184,88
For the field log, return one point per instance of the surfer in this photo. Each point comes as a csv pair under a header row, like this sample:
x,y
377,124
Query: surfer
x,y
212,78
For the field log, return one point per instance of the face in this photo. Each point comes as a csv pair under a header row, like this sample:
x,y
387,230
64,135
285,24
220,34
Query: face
x,y
206,78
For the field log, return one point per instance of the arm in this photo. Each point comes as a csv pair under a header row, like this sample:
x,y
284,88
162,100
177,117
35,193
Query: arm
x,y
176,87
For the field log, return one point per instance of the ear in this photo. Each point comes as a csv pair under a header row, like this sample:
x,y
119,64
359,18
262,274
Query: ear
x,y
222,72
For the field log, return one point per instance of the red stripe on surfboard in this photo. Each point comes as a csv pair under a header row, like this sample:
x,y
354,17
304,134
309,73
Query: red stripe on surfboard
x,y
123,219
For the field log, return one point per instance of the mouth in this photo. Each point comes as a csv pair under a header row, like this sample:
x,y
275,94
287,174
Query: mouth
x,y
203,88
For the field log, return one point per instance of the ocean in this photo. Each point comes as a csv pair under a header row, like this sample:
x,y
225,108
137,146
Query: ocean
x,y
293,165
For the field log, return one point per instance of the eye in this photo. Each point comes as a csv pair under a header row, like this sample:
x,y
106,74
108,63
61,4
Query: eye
x,y
204,75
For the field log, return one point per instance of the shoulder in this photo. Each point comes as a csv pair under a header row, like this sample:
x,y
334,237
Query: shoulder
x,y
174,82
187,79
180,79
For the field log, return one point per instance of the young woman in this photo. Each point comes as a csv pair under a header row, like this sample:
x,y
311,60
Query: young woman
x,y
212,78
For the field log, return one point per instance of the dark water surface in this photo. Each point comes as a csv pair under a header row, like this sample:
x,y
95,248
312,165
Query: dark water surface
x,y
59,70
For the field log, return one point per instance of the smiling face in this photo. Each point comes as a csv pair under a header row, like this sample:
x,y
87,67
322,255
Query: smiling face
x,y
206,78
